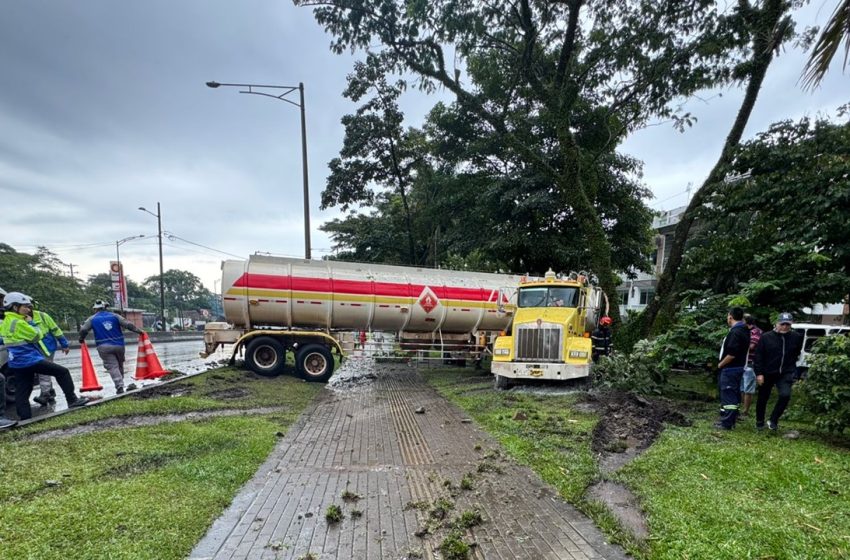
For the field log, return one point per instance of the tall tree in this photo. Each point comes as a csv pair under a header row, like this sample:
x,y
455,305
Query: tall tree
x,y
769,26
377,152
557,82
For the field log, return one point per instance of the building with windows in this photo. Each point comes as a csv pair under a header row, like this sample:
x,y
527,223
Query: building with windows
x,y
635,293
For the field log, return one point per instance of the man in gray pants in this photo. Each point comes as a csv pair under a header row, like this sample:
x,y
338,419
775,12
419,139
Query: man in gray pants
x,y
109,337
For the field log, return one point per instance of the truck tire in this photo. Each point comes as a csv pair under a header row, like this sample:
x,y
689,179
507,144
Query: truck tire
x,y
265,355
503,383
314,362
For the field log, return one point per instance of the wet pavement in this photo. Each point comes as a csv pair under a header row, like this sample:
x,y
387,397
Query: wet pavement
x,y
387,449
179,356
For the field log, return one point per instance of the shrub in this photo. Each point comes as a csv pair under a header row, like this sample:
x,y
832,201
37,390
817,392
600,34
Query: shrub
x,y
638,372
826,391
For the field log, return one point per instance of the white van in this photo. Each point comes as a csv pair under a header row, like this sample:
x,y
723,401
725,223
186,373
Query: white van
x,y
811,333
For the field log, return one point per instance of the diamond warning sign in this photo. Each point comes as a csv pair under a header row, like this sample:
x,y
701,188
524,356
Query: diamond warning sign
x,y
428,300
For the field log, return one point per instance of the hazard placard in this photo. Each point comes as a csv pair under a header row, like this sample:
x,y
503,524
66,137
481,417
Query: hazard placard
x,y
428,300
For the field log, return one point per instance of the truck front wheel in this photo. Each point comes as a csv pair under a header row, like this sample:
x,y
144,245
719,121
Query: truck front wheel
x,y
315,363
265,356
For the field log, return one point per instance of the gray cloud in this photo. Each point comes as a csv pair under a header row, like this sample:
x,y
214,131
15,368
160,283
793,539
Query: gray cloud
x,y
103,109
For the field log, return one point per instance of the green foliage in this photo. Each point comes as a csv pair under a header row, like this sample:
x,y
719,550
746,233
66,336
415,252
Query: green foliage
x,y
639,372
779,237
454,547
333,514
826,391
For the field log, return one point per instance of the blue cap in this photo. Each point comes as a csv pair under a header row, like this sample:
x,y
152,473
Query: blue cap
x,y
785,318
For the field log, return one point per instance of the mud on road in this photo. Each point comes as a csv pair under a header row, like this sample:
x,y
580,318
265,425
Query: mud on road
x,y
382,466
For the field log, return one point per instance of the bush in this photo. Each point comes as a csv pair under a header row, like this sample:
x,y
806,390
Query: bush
x,y
826,391
638,372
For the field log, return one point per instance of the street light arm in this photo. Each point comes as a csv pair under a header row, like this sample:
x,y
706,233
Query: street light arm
x,y
281,96
148,211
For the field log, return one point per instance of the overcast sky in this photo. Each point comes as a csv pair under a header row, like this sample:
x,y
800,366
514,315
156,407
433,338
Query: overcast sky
x,y
103,109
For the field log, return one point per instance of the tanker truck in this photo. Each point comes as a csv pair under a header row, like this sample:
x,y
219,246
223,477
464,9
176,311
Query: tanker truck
x,y
277,306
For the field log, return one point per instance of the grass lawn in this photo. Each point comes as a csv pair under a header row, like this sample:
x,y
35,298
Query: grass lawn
x,y
706,494
143,492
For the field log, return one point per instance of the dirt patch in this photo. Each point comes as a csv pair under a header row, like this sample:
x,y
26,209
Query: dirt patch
x,y
628,424
152,420
623,505
227,394
171,390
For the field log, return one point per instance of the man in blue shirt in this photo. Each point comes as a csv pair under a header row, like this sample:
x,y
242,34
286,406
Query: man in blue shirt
x,y
733,359
109,337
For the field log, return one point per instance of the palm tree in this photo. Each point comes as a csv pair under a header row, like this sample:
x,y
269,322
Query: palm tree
x,y
837,28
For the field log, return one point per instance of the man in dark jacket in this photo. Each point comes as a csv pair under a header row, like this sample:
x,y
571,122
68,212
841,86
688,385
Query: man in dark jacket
x,y
601,339
733,359
774,363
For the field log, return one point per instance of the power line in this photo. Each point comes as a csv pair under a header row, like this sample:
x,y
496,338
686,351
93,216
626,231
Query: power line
x,y
172,236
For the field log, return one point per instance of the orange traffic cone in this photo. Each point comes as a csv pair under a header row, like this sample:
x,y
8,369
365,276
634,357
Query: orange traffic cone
x,y
147,364
90,382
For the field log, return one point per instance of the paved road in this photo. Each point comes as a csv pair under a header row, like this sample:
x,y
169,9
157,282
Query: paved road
x,y
182,356
367,438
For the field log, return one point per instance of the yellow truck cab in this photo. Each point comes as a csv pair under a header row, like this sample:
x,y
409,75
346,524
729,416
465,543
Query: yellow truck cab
x,y
549,337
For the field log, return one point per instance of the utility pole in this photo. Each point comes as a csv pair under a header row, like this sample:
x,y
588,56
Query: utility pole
x,y
71,266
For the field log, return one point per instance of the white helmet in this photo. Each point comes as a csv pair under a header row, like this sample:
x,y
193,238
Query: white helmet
x,y
100,304
16,298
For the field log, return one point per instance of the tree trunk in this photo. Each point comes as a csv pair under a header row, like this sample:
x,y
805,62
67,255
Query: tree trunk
x,y
767,37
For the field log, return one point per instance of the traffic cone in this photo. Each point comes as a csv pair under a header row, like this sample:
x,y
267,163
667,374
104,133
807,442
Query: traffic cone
x,y
90,382
147,364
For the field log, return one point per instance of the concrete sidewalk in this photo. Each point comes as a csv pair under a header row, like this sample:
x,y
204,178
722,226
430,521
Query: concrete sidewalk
x,y
368,440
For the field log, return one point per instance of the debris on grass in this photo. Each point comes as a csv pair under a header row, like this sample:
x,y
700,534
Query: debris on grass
x,y
488,466
333,514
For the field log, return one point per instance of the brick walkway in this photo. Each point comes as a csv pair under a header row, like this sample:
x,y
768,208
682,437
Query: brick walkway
x,y
368,440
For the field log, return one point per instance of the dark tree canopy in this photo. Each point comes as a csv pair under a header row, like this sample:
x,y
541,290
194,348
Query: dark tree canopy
x,y
555,86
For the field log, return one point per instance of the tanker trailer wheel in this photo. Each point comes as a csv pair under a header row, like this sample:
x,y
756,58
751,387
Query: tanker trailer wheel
x,y
314,362
265,355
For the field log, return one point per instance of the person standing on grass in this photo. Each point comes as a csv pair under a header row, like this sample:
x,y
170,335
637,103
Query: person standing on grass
x,y
775,363
109,339
28,355
733,358
748,382
601,339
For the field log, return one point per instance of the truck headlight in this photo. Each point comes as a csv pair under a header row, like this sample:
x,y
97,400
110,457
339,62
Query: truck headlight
x,y
502,351
578,354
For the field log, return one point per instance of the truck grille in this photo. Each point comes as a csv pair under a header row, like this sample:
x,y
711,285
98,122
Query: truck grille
x,y
538,344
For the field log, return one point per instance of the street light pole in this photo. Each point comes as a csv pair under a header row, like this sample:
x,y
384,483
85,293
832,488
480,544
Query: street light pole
x,y
252,89
158,216
118,260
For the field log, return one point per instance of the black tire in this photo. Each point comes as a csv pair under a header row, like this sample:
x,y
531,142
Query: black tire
x,y
314,363
503,383
266,356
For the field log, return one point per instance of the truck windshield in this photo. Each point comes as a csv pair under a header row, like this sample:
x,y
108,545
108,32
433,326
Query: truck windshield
x,y
555,296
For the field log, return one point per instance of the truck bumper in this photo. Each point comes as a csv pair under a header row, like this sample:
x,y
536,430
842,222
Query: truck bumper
x,y
530,370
